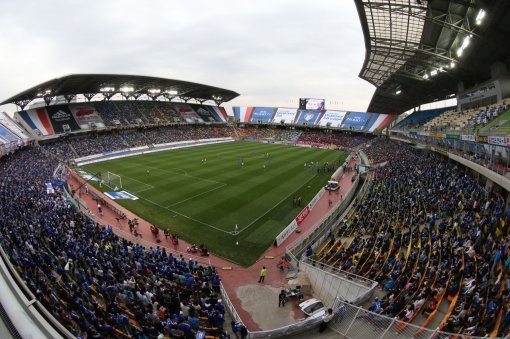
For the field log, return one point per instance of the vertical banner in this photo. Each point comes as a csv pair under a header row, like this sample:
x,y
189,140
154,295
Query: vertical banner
x,y
310,117
332,118
59,116
264,114
85,115
356,120
285,115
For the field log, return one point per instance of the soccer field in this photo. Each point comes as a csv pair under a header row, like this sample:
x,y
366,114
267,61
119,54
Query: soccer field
x,y
202,203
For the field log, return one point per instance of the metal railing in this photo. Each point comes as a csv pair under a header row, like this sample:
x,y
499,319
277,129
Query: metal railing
x,y
493,164
331,283
317,234
35,310
229,305
355,322
299,327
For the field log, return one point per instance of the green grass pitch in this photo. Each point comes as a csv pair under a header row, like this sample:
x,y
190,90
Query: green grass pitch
x,y
202,203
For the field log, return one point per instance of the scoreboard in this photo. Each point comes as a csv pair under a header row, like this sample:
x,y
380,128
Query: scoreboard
x,y
312,104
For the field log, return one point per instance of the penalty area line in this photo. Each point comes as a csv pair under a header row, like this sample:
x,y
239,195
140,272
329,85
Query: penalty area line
x,y
197,195
184,215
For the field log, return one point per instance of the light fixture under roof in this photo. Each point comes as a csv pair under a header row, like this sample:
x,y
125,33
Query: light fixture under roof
x,y
480,16
398,92
127,89
433,72
154,91
172,92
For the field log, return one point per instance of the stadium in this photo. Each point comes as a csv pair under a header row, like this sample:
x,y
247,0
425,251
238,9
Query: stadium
x,y
138,206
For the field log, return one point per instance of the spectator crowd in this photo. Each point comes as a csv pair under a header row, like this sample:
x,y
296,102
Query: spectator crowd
x,y
97,284
429,234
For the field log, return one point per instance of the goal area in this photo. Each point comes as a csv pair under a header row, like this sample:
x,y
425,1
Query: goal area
x,y
111,180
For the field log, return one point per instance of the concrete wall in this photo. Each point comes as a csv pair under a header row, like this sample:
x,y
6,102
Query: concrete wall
x,y
494,177
327,286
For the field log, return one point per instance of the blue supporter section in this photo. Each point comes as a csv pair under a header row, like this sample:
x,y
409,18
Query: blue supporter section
x,y
419,118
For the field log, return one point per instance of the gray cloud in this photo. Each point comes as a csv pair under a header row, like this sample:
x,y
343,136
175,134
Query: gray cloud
x,y
272,52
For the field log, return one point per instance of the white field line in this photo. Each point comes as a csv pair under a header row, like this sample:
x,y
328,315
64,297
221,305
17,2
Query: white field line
x,y
185,174
272,208
142,190
196,195
183,215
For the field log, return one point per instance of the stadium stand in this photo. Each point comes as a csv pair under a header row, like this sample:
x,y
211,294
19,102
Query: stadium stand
x,y
109,112
432,238
341,140
487,114
417,119
454,120
96,284
104,141
276,134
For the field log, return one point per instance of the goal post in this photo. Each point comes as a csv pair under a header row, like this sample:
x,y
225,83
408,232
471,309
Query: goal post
x,y
112,180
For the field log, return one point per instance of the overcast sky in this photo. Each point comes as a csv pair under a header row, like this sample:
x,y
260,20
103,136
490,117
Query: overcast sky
x,y
271,52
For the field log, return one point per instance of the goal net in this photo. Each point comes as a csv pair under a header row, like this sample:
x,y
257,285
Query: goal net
x,y
111,180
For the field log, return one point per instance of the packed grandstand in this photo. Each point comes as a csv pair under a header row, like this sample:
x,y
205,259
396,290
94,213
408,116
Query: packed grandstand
x,y
413,242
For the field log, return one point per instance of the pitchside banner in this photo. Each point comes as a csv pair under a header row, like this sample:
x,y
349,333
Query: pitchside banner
x,y
265,114
356,120
334,118
287,115
500,141
59,116
310,117
85,114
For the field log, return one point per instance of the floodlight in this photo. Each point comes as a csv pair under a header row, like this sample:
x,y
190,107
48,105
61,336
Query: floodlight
x,y
107,89
172,92
398,92
459,52
434,72
425,76
480,16
126,89
452,64
154,91
466,42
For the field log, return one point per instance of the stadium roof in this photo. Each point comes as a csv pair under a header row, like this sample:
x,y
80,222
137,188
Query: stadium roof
x,y
132,86
417,51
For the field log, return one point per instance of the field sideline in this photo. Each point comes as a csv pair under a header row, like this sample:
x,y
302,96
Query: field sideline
x,y
204,202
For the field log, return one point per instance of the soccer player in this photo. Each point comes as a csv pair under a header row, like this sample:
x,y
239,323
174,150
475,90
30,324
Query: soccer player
x,y
148,172
264,167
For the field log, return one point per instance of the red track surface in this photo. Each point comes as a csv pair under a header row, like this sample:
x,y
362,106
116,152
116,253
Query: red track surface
x,y
237,276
